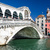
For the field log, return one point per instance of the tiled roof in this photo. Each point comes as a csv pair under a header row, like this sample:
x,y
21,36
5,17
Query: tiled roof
x,y
40,16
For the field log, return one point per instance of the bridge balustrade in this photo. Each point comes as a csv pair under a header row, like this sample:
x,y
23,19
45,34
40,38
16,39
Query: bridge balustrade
x,y
13,22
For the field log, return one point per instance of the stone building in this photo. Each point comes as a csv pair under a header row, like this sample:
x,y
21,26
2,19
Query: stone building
x,y
40,21
47,24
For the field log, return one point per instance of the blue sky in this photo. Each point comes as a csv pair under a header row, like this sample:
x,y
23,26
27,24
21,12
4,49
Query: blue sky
x,y
36,6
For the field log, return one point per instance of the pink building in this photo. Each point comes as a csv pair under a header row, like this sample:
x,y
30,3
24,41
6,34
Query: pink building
x,y
47,28
47,24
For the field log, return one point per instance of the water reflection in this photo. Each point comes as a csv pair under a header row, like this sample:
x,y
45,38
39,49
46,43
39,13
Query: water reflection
x,y
48,43
27,44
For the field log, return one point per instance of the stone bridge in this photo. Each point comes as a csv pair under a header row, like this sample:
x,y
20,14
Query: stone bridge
x,y
16,21
8,29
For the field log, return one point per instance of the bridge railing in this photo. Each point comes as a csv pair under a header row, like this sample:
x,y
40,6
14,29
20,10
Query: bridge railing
x,y
4,22
12,20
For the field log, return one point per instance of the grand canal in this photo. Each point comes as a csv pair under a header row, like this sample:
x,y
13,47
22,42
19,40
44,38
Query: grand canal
x,y
27,44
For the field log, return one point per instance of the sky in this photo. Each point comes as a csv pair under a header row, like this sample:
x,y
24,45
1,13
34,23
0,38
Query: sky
x,y
36,6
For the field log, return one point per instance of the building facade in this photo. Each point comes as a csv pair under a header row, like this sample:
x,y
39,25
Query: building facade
x,y
10,12
47,24
40,21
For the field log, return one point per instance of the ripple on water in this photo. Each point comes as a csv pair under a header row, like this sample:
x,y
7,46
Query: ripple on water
x,y
27,44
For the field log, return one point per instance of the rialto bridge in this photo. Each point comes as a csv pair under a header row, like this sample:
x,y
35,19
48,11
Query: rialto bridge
x,y
17,23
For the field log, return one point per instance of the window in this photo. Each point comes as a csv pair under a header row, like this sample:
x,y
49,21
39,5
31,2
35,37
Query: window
x,y
15,15
42,24
20,16
7,14
1,15
42,27
48,29
37,24
37,21
42,20
42,17
46,25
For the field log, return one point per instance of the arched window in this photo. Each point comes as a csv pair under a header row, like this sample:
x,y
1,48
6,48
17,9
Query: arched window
x,y
7,14
1,15
26,13
15,15
20,16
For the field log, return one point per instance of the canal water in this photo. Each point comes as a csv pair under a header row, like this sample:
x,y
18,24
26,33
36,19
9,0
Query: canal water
x,y
27,44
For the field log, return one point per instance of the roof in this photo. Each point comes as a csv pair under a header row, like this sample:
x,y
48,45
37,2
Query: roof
x,y
19,8
23,7
39,16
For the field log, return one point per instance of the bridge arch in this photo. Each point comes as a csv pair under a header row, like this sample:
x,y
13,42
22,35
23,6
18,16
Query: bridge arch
x,y
15,32
27,32
26,13
1,14
20,16
15,15
7,13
